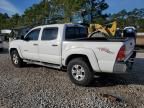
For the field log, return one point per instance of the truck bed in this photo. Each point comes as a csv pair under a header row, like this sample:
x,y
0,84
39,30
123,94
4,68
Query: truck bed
x,y
101,39
105,49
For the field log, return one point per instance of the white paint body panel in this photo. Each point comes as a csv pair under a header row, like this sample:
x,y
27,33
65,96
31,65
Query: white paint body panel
x,y
49,53
29,51
101,61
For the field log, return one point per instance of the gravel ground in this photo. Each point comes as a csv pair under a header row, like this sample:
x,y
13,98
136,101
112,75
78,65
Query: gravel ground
x,y
40,87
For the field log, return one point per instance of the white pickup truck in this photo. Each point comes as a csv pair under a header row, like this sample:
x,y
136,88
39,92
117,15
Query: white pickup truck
x,y
66,46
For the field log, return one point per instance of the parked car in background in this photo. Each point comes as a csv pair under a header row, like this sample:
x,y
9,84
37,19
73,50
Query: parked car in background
x,y
68,46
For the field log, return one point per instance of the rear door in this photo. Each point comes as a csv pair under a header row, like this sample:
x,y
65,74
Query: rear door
x,y
49,46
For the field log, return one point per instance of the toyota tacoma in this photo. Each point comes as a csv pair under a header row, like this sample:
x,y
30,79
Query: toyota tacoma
x,y
67,46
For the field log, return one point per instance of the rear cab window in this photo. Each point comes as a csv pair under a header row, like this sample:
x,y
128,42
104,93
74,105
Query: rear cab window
x,y
76,33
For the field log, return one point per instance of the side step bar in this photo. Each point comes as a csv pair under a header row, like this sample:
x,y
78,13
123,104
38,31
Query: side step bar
x,y
43,64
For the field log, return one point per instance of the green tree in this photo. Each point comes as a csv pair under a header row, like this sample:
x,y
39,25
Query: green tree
x,y
57,11
131,18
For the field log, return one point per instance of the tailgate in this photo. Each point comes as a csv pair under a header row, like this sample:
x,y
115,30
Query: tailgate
x,y
129,47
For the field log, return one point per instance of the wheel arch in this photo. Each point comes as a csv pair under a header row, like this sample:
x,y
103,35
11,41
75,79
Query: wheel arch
x,y
12,49
73,56
87,54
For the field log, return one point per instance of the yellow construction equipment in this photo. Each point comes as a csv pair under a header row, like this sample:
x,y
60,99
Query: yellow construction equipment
x,y
107,30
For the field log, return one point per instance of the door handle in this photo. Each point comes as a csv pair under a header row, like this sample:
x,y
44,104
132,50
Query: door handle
x,y
54,45
35,44
26,50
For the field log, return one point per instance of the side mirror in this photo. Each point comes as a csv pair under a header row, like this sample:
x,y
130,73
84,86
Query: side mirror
x,y
22,37
26,39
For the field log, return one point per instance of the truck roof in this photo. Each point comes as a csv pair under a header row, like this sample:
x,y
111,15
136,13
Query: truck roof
x,y
59,25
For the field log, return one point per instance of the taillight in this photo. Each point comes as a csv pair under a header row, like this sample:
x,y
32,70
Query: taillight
x,y
121,54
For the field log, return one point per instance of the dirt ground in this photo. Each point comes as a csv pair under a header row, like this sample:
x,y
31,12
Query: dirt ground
x,y
140,40
40,87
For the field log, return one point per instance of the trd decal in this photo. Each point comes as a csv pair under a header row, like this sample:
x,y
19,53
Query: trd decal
x,y
106,50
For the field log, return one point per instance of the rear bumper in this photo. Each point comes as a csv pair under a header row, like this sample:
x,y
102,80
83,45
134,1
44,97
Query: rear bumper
x,y
120,68
123,67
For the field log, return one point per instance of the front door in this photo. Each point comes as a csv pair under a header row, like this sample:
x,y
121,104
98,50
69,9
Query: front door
x,y
30,45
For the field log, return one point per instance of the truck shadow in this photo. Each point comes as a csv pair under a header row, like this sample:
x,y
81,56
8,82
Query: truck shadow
x,y
136,76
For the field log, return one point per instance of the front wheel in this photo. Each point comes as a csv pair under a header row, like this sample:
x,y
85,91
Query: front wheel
x,y
16,60
80,72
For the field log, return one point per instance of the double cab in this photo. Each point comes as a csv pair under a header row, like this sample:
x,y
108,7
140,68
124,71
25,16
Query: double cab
x,y
67,46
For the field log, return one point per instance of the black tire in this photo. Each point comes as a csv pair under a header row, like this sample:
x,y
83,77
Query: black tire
x,y
87,75
15,56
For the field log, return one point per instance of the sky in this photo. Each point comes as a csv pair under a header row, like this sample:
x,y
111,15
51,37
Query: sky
x,y
118,5
15,6
18,6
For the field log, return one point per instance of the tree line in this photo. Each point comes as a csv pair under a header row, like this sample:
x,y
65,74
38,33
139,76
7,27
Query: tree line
x,y
60,11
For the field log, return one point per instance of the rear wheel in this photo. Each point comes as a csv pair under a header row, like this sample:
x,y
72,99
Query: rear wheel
x,y
16,60
80,72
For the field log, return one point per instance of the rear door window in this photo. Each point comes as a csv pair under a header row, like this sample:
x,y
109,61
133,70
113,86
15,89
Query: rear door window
x,y
49,33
